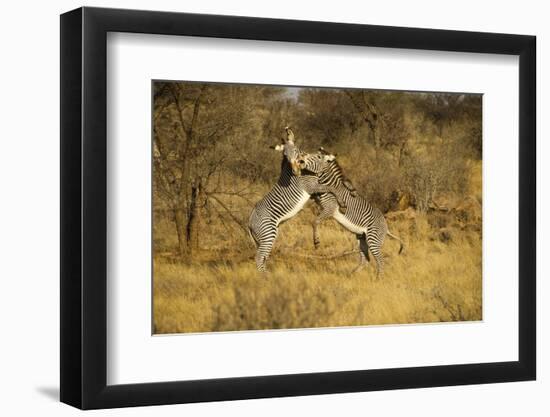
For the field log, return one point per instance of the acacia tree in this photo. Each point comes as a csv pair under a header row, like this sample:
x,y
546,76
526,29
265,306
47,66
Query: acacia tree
x,y
175,120
383,112
446,110
434,171
325,115
201,133
367,106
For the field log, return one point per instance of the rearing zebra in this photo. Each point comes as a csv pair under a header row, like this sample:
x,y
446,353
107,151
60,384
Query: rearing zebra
x,y
287,197
361,218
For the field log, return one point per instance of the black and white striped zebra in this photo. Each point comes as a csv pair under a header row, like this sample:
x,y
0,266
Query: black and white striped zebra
x,y
361,218
287,197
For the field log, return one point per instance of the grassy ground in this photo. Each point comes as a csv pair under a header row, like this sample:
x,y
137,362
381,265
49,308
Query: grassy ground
x,y
437,278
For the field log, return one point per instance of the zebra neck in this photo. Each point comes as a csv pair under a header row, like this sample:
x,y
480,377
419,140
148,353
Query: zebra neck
x,y
286,178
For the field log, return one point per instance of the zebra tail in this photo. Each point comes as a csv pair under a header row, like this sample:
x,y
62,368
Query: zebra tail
x,y
396,238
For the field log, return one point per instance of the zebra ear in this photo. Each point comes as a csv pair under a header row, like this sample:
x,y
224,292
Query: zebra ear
x,y
278,147
289,135
330,157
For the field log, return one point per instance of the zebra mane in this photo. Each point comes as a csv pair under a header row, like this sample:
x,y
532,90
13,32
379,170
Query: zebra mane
x,y
343,178
285,173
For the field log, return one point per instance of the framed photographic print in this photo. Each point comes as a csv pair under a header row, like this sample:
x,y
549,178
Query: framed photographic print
x,y
257,208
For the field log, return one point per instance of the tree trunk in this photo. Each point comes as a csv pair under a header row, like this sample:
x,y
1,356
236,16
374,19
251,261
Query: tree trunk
x,y
376,137
179,220
193,222
401,153
369,114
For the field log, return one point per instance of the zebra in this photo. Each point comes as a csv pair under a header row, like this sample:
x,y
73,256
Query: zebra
x,y
287,197
361,218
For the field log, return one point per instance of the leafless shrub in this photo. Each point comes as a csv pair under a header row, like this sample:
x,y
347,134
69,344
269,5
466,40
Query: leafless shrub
x,y
433,171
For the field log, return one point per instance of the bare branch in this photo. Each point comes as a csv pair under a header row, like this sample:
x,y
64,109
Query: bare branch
x,y
235,219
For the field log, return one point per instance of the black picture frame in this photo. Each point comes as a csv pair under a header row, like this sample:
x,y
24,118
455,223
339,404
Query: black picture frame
x,y
84,207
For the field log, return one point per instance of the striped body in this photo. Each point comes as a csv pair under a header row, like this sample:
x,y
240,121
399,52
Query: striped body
x,y
360,217
284,201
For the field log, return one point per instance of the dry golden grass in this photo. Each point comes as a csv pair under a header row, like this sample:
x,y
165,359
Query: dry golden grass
x,y
435,279
415,150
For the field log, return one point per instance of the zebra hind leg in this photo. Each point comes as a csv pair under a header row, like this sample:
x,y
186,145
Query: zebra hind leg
x,y
262,255
376,251
326,212
265,245
363,253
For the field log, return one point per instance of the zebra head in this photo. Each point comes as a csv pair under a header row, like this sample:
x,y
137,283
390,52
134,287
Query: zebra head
x,y
316,163
291,152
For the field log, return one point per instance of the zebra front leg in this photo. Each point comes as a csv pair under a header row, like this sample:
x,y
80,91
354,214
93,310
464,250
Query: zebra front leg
x,y
339,199
323,188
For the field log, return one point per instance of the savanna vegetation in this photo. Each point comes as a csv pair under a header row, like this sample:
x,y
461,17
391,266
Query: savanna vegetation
x,y
416,156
